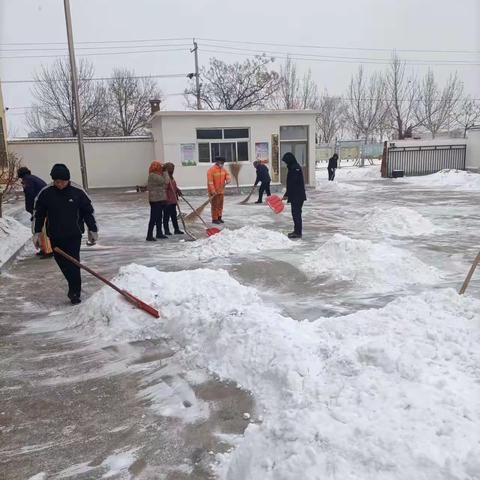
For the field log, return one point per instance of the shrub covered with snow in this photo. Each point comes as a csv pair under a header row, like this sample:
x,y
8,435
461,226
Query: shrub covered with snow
x,y
399,221
375,267
387,394
13,236
243,241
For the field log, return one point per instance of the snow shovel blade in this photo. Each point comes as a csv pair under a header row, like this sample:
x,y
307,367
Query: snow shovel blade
x,y
213,231
275,203
139,304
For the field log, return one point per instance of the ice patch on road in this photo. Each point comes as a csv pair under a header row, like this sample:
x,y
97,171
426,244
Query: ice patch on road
x,y
376,267
119,462
385,394
399,221
451,179
335,186
243,241
13,236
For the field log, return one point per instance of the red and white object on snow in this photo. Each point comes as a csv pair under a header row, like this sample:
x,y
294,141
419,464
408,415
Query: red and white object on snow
x,y
275,203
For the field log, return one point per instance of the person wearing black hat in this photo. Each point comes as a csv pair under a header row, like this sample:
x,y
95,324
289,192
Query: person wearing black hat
x,y
66,207
263,177
32,186
295,193
332,166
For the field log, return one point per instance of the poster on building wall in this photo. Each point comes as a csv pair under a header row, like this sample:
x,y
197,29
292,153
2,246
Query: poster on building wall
x,y
275,159
261,152
187,151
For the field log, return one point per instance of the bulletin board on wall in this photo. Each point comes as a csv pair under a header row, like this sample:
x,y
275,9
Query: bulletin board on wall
x,y
187,154
261,152
275,159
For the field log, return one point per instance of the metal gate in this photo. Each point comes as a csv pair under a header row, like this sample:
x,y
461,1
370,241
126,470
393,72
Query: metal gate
x,y
425,160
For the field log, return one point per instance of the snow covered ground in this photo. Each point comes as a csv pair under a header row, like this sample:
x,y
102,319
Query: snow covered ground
x,y
13,235
361,358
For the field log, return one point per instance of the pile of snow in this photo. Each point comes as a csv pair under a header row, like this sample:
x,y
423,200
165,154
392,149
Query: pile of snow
x,y
243,241
451,179
387,394
377,267
371,172
13,236
400,221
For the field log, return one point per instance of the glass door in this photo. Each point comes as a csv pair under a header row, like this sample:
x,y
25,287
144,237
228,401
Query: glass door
x,y
300,151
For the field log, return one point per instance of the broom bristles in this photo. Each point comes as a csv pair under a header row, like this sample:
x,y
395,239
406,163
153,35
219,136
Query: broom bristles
x,y
191,217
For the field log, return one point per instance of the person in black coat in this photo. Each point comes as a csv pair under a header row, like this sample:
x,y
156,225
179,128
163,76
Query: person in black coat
x,y
32,186
263,177
332,166
66,207
295,193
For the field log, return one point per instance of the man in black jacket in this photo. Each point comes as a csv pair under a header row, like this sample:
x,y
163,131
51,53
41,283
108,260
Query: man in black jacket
x,y
332,166
66,207
32,186
295,193
263,177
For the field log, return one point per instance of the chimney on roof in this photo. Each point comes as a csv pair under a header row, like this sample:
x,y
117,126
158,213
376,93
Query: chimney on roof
x,y
154,106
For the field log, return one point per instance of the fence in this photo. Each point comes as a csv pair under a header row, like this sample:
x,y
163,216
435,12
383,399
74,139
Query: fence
x,y
424,160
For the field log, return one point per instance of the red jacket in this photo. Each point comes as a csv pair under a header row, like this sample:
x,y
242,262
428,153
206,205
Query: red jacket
x,y
172,192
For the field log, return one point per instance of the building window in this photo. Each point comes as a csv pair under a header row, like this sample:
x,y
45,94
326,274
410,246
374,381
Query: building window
x,y
230,143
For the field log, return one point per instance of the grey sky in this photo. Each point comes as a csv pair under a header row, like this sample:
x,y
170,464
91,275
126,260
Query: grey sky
x,y
376,24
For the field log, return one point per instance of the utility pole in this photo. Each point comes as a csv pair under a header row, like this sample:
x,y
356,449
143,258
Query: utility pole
x,y
197,75
73,73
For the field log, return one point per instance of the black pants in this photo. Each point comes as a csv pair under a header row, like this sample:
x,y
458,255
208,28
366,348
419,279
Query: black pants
x,y
70,271
331,173
264,188
170,213
297,217
156,217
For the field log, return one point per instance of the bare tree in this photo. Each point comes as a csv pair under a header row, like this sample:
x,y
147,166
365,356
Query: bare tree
x,y
367,104
435,107
467,114
330,118
53,111
402,92
130,107
236,86
295,92
8,178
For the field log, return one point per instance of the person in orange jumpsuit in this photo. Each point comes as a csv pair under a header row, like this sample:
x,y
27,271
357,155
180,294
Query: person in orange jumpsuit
x,y
217,178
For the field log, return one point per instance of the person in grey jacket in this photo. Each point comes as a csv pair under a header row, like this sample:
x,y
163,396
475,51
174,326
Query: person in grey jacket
x,y
157,185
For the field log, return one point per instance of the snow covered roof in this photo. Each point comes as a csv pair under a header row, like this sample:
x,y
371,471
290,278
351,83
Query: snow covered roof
x,y
185,113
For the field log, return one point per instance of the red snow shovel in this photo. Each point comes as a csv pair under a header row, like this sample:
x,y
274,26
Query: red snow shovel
x,y
210,230
275,203
131,298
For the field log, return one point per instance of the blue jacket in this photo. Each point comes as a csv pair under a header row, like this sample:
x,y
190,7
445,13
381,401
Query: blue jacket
x,y
262,174
32,186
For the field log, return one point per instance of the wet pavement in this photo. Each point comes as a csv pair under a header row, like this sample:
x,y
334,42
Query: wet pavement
x,y
72,409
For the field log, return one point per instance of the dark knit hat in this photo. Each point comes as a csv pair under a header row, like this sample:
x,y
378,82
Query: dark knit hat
x,y
219,159
23,171
60,172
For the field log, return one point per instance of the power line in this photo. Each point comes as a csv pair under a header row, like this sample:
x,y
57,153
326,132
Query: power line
x,y
328,60
307,55
62,49
96,54
338,48
245,42
170,75
100,41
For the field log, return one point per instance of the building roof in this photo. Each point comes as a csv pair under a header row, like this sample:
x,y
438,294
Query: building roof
x,y
200,113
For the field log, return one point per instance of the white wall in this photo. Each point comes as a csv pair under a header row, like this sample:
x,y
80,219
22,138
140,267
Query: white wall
x,y
113,162
171,131
473,150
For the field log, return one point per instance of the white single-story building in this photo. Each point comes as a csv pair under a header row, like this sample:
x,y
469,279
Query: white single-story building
x,y
192,139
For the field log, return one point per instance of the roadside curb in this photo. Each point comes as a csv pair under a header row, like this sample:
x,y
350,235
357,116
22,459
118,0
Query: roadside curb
x,y
8,263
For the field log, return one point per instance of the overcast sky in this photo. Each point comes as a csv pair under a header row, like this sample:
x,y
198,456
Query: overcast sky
x,y
345,27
